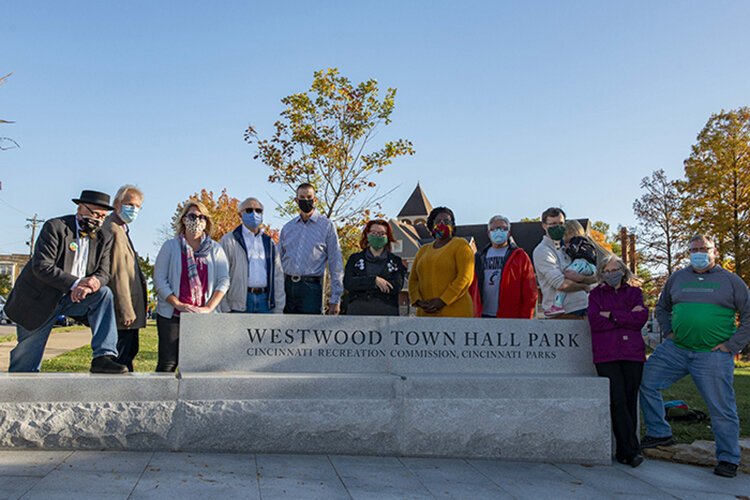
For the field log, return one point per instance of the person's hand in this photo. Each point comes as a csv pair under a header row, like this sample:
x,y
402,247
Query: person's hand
x,y
333,309
128,321
200,309
383,284
91,282
606,314
573,276
433,306
79,292
638,309
721,347
183,308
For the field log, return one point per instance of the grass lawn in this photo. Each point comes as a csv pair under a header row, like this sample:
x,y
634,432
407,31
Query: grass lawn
x,y
685,389
79,360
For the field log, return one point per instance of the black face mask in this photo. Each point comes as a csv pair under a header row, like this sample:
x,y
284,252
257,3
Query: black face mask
x,y
306,206
89,225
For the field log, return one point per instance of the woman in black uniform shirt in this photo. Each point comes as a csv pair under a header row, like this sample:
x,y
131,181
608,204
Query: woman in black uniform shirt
x,y
373,277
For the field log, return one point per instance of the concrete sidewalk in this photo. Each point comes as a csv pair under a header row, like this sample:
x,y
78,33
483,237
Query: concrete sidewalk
x,y
58,343
105,475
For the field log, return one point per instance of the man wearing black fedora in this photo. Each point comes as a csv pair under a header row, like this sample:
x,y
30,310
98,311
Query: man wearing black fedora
x,y
67,274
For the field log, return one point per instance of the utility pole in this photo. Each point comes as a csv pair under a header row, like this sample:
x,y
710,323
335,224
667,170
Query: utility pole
x,y
33,223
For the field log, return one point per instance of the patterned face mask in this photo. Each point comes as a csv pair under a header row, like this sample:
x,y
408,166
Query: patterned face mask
x,y
194,226
442,231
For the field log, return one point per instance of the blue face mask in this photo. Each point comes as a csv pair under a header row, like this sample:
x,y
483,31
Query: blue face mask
x,y
699,260
499,236
252,220
128,213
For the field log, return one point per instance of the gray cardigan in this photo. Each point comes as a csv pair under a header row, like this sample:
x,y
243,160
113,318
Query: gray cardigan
x,y
168,272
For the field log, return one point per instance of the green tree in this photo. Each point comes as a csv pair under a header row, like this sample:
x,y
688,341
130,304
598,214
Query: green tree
x,y
5,284
661,228
717,186
324,136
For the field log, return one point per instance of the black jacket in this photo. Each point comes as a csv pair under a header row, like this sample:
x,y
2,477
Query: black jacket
x,y
360,284
46,278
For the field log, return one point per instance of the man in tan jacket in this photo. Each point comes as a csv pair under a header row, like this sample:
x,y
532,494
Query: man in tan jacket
x,y
127,283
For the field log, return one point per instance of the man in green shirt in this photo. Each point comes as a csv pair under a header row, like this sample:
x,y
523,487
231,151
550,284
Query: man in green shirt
x,y
696,311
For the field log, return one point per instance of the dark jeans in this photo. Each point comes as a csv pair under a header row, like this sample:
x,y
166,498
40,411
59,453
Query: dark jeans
x,y
624,380
168,330
303,297
127,347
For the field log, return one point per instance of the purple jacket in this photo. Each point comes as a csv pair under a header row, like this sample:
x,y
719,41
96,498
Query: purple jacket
x,y
617,338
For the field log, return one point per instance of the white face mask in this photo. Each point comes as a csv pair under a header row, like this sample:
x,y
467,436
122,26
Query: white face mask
x,y
194,227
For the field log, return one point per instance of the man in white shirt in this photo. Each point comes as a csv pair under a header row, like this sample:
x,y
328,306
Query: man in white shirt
x,y
550,261
256,279
67,275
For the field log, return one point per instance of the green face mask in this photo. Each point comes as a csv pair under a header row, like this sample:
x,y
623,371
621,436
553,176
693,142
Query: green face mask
x,y
556,232
377,242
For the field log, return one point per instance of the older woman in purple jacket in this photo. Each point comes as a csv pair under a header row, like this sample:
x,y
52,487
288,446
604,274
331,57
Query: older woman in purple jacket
x,y
616,314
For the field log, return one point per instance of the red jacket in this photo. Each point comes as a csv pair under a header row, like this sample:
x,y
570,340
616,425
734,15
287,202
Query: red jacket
x,y
518,291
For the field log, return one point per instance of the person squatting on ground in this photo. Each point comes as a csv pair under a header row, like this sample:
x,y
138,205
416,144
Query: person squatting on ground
x,y
67,275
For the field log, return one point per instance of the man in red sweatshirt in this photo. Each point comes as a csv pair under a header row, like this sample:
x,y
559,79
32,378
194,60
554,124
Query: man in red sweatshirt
x,y
504,282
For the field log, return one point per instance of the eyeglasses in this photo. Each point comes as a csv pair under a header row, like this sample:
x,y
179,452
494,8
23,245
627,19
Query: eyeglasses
x,y
700,249
378,233
195,217
95,215
444,220
251,210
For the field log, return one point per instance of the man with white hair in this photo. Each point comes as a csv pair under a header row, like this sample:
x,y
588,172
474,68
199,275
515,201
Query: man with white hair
x,y
504,284
128,283
256,282
696,311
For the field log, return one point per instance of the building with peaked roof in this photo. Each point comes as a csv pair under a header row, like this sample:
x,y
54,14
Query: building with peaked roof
x,y
416,209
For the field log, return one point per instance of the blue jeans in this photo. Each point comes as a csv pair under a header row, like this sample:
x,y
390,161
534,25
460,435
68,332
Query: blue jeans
x,y
97,307
713,374
303,297
257,303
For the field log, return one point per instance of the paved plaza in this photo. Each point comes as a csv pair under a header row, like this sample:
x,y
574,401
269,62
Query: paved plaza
x,y
124,475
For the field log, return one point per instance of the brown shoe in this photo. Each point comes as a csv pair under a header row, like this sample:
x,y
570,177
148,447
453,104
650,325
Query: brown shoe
x,y
106,364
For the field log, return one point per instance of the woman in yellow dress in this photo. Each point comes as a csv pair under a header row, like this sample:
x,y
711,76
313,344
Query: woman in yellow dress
x,y
442,271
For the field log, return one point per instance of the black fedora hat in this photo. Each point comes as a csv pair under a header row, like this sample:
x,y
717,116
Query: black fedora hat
x,y
94,198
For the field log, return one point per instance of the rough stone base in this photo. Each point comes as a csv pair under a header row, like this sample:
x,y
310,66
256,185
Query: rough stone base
x,y
699,452
533,418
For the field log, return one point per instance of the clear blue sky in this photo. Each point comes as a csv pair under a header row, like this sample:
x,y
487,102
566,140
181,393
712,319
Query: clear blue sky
x,y
512,106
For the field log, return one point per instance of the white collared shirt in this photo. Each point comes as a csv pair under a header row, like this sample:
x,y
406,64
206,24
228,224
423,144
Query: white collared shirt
x,y
256,259
81,256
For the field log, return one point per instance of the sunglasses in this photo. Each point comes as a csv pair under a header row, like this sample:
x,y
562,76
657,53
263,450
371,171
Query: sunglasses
x,y
195,217
251,210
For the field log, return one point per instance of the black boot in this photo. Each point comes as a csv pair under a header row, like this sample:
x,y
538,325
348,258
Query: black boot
x,y
106,364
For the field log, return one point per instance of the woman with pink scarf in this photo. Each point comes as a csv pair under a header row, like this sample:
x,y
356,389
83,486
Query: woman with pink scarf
x,y
191,275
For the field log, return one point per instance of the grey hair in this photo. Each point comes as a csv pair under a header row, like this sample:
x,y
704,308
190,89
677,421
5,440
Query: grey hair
x,y
609,257
702,237
124,190
247,201
496,218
